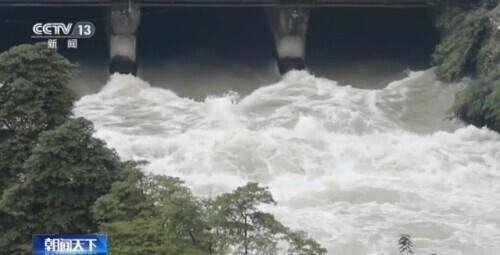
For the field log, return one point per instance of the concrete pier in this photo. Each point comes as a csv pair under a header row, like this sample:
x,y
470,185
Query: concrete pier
x,y
125,20
289,29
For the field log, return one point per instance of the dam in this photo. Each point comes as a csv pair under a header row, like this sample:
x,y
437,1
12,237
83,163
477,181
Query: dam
x,y
288,22
357,149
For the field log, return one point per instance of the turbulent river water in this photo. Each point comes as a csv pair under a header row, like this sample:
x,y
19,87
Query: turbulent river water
x,y
353,167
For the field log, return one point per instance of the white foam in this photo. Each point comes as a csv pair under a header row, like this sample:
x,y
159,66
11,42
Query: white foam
x,y
355,168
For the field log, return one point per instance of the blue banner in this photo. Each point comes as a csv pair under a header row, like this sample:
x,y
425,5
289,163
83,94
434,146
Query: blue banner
x,y
70,244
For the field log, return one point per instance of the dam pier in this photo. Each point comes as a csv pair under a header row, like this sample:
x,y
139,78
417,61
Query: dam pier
x,y
124,23
289,28
288,22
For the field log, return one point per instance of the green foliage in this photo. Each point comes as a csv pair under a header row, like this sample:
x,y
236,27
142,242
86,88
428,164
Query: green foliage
x,y
471,43
66,172
126,199
14,238
33,98
461,35
239,225
33,95
488,57
136,237
149,214
300,244
469,104
492,107
14,151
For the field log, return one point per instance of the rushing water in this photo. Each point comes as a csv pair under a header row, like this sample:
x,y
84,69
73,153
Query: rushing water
x,y
353,167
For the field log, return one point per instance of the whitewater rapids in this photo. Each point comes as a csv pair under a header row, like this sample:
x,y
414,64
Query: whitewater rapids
x,y
352,167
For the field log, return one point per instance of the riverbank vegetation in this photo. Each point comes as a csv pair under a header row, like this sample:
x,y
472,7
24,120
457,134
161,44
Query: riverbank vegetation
x,y
56,177
470,46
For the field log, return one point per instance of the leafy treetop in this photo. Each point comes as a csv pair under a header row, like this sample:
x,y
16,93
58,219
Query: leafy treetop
x,y
34,95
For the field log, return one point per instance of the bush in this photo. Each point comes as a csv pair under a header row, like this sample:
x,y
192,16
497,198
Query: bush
x,y
461,32
470,46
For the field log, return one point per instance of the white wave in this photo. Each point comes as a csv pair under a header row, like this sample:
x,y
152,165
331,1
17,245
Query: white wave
x,y
353,167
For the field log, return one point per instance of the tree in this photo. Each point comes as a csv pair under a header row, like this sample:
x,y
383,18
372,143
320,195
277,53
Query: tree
x,y
405,244
151,214
34,96
66,172
300,244
240,226
126,199
14,151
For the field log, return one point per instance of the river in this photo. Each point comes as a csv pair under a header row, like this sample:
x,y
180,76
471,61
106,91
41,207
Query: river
x,y
353,167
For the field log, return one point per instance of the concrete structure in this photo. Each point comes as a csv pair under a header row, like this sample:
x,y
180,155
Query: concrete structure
x,y
289,27
124,23
288,20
